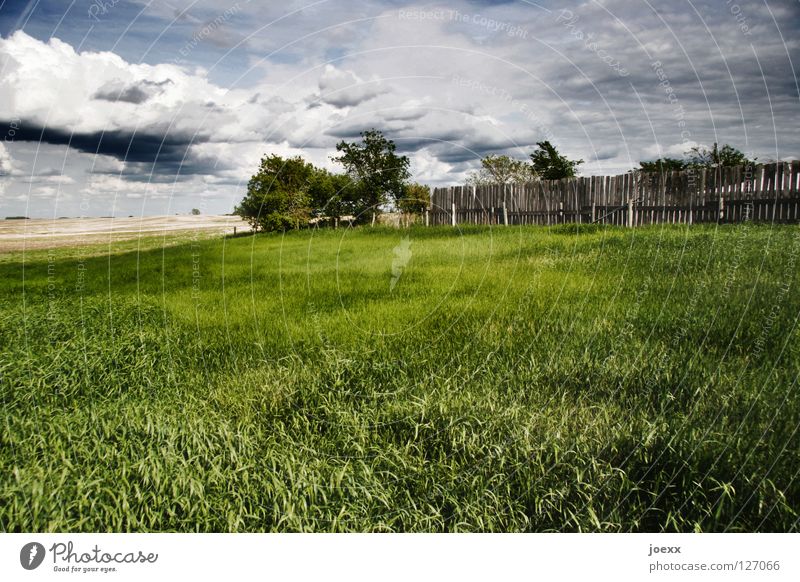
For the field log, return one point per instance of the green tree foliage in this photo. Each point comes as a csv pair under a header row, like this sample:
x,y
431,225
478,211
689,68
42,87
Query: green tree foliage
x,y
548,164
277,195
663,165
195,211
416,198
501,170
699,157
334,195
727,155
373,165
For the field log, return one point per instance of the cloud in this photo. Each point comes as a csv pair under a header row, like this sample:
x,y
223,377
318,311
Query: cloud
x,y
345,89
675,150
606,153
49,83
6,168
98,101
57,179
102,164
6,163
117,91
99,104
148,146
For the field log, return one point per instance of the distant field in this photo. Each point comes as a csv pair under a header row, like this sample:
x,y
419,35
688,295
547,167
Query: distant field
x,y
38,234
383,379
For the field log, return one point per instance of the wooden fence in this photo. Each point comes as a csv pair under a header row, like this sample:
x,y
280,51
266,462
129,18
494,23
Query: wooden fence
x,y
764,192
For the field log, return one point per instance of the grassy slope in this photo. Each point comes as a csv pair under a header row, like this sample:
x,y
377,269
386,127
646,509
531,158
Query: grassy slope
x,y
514,379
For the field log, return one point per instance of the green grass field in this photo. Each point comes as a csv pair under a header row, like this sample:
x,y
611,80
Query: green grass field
x,y
513,379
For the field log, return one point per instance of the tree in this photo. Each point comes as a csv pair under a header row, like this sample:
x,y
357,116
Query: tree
x,y
548,164
379,173
501,170
195,212
663,165
277,195
701,157
416,198
333,195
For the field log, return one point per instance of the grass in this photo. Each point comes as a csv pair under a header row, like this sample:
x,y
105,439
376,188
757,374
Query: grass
x,y
514,379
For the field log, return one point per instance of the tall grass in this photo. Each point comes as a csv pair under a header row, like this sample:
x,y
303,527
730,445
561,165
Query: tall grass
x,y
513,380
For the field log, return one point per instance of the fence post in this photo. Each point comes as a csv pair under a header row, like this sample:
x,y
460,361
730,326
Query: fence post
x,y
631,202
505,208
427,220
453,215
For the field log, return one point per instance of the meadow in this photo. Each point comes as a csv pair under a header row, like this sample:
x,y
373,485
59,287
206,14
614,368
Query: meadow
x,y
375,379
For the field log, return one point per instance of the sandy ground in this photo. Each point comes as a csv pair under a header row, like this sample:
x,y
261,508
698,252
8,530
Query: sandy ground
x,y
16,235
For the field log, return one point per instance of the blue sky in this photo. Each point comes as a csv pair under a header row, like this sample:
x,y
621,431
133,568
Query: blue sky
x,y
134,107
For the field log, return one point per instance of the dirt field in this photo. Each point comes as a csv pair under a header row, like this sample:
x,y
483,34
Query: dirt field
x,y
33,234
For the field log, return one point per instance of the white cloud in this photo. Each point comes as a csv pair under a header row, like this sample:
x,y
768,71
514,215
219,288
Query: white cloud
x,y
45,192
6,163
107,165
5,168
345,89
49,83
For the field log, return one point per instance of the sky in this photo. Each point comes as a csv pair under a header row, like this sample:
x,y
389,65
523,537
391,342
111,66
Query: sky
x,y
140,107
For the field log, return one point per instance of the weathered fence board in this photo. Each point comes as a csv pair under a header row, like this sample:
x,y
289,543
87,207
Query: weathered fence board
x,y
766,192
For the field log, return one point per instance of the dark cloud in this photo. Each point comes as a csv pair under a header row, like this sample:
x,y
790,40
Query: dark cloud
x,y
606,153
165,151
349,131
134,93
344,98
